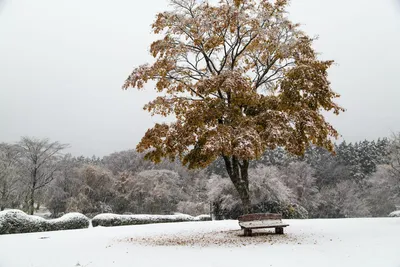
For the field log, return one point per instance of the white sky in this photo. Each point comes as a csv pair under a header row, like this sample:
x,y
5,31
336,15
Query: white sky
x,y
62,64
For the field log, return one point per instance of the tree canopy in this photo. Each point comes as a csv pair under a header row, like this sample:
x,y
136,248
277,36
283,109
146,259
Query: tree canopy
x,y
239,77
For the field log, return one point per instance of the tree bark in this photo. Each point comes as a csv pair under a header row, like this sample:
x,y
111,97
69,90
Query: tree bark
x,y
31,201
3,197
238,173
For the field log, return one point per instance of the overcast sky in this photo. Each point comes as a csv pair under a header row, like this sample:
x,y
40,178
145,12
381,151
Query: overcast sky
x,y
62,64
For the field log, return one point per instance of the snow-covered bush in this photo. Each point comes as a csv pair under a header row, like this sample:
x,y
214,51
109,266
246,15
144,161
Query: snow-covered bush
x,y
16,221
69,221
288,211
294,211
223,195
203,217
109,219
268,194
395,214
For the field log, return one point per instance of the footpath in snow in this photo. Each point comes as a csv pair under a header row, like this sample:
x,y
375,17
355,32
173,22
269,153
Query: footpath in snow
x,y
311,243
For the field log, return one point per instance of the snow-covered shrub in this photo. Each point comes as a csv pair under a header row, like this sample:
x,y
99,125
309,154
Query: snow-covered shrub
x,y
69,221
395,214
294,211
269,194
16,221
203,217
223,195
288,211
109,219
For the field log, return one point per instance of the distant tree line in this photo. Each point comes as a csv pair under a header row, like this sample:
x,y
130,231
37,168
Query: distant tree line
x,y
360,180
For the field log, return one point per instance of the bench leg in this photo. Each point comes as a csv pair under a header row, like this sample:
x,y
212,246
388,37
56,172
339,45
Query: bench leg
x,y
279,230
247,232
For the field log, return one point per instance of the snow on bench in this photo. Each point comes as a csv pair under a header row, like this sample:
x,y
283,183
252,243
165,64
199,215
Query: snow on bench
x,y
261,220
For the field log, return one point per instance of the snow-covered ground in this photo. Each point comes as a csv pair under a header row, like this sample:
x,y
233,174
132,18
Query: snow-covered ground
x,y
311,243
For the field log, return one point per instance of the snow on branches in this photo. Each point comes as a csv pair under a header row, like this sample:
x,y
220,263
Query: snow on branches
x,y
239,77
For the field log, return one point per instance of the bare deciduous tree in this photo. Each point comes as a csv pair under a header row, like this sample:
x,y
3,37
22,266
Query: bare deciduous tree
x,y
383,193
299,176
95,191
9,177
39,161
157,191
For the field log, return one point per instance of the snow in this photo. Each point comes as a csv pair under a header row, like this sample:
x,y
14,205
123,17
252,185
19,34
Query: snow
x,y
19,216
70,216
261,223
395,214
108,219
203,217
145,217
311,243
16,221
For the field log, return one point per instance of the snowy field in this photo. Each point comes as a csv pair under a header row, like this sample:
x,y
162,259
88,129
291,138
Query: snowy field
x,y
311,243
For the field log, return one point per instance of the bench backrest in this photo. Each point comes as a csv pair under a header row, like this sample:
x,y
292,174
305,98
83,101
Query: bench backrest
x,y
260,216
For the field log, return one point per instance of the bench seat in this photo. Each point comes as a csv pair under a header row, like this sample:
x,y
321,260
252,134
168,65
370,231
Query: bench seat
x,y
261,220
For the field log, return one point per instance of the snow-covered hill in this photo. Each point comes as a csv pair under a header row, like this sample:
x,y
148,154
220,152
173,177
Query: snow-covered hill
x,y
311,243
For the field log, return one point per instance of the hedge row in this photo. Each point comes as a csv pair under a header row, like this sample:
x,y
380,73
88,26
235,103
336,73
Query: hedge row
x,y
119,220
16,221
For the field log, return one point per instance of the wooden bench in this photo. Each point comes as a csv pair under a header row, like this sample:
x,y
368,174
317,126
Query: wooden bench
x,y
261,220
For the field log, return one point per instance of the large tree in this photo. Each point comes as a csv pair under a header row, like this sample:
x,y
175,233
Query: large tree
x,y
39,162
9,177
240,78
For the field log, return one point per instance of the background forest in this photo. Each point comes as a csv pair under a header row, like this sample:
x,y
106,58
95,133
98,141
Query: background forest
x,y
361,180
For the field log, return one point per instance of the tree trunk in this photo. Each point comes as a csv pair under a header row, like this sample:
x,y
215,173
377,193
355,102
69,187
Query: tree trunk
x,y
2,200
31,202
238,173
31,197
2,203
4,197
